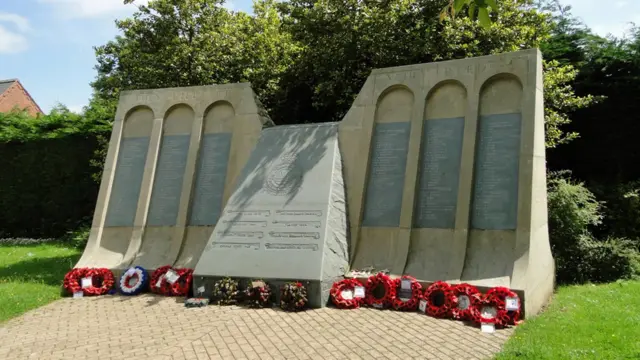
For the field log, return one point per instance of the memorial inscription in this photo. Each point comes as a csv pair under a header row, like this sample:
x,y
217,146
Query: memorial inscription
x,y
127,182
167,186
234,245
305,233
440,155
211,175
383,201
495,195
272,246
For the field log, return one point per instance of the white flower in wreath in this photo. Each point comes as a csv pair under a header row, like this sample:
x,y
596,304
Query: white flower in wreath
x,y
133,281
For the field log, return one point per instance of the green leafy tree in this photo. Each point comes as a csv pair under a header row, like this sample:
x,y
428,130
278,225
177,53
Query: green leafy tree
x,y
342,41
169,43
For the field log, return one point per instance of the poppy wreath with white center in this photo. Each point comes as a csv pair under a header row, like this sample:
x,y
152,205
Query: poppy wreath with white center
x,y
345,285
375,299
440,299
416,294
182,286
461,291
72,280
102,281
499,295
483,302
158,278
134,281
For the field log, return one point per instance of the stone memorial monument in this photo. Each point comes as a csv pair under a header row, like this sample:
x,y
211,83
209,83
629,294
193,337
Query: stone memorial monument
x,y
437,171
173,159
445,174
286,220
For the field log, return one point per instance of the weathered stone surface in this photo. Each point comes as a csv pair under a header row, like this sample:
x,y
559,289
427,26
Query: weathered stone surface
x,y
171,151
286,219
467,203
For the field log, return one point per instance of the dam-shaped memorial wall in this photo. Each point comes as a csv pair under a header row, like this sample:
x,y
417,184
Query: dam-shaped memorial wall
x,y
445,173
172,162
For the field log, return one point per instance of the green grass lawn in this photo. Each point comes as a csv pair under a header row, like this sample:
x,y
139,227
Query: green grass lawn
x,y
31,276
582,322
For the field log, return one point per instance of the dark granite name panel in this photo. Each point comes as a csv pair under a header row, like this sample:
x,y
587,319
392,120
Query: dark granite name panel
x,y
211,175
127,182
439,174
167,186
385,185
495,193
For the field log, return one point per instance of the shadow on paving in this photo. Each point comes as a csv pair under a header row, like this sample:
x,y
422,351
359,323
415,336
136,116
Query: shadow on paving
x,y
49,271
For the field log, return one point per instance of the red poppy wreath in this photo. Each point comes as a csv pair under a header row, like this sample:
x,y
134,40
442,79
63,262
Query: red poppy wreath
x,y
182,285
408,293
159,283
464,294
485,310
72,280
343,294
440,299
101,281
380,291
499,295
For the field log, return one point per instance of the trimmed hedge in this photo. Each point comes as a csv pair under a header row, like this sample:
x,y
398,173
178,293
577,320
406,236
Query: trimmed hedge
x,y
46,185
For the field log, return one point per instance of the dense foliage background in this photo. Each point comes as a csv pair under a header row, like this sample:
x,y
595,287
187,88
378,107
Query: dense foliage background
x,y
307,60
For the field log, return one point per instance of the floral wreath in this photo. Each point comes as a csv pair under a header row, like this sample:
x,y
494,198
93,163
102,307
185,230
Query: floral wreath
x,y
342,286
374,283
416,294
464,296
159,283
496,297
71,280
440,299
102,281
258,294
225,291
133,281
486,310
182,286
293,296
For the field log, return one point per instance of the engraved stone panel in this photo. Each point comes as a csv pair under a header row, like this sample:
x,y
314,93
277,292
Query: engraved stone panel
x,y
211,176
286,218
383,200
167,186
127,181
438,177
495,195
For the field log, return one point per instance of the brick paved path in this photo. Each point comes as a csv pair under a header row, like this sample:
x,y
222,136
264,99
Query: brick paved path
x,y
152,327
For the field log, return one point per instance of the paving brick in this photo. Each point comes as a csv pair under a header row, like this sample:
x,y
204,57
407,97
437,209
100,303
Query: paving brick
x,y
153,327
